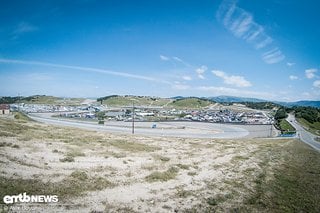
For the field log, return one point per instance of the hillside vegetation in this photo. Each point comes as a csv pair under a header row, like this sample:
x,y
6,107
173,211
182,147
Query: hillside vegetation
x,y
260,105
281,122
161,174
193,103
41,99
310,114
309,117
128,100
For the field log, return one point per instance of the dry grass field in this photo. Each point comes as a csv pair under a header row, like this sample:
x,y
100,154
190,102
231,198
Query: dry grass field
x,y
103,172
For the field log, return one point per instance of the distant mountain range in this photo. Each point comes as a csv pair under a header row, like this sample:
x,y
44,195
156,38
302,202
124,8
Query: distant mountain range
x,y
301,103
234,99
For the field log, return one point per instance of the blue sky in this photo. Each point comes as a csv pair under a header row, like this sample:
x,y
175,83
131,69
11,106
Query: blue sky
x,y
88,48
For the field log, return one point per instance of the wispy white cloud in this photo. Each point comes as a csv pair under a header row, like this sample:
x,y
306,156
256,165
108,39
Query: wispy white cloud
x,y
186,77
290,64
218,90
256,32
273,56
177,59
314,94
310,73
200,71
86,69
242,25
164,58
293,77
182,61
264,42
22,28
25,27
201,76
238,81
316,84
306,94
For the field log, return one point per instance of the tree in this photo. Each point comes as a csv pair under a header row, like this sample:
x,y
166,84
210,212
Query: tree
x,y
100,115
280,114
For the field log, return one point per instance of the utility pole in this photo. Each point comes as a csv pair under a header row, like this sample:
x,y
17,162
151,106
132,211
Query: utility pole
x,y
132,117
18,102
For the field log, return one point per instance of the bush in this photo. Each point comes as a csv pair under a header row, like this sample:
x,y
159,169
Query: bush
x,y
171,173
310,114
80,175
67,159
16,146
280,114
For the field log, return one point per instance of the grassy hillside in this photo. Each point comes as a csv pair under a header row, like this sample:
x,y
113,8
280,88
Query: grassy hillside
x,y
42,99
193,103
21,116
286,127
138,101
312,127
309,117
228,175
261,105
295,184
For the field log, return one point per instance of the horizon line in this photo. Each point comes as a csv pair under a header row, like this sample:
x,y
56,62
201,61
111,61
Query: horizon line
x,y
172,97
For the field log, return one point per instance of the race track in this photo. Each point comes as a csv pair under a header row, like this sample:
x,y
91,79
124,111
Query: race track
x,y
168,129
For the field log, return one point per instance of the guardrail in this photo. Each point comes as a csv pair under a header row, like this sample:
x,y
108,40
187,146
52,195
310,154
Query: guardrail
x,y
287,135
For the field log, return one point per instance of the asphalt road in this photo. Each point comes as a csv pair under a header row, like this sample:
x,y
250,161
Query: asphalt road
x,y
304,135
171,129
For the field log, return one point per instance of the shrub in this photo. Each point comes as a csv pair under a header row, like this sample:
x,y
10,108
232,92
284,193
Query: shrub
x,y
67,159
171,173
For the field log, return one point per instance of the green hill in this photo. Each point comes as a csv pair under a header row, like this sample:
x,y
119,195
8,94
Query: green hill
x,y
42,99
192,102
127,100
309,117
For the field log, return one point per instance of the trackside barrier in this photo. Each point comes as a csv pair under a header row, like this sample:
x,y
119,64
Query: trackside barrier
x,y
287,135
